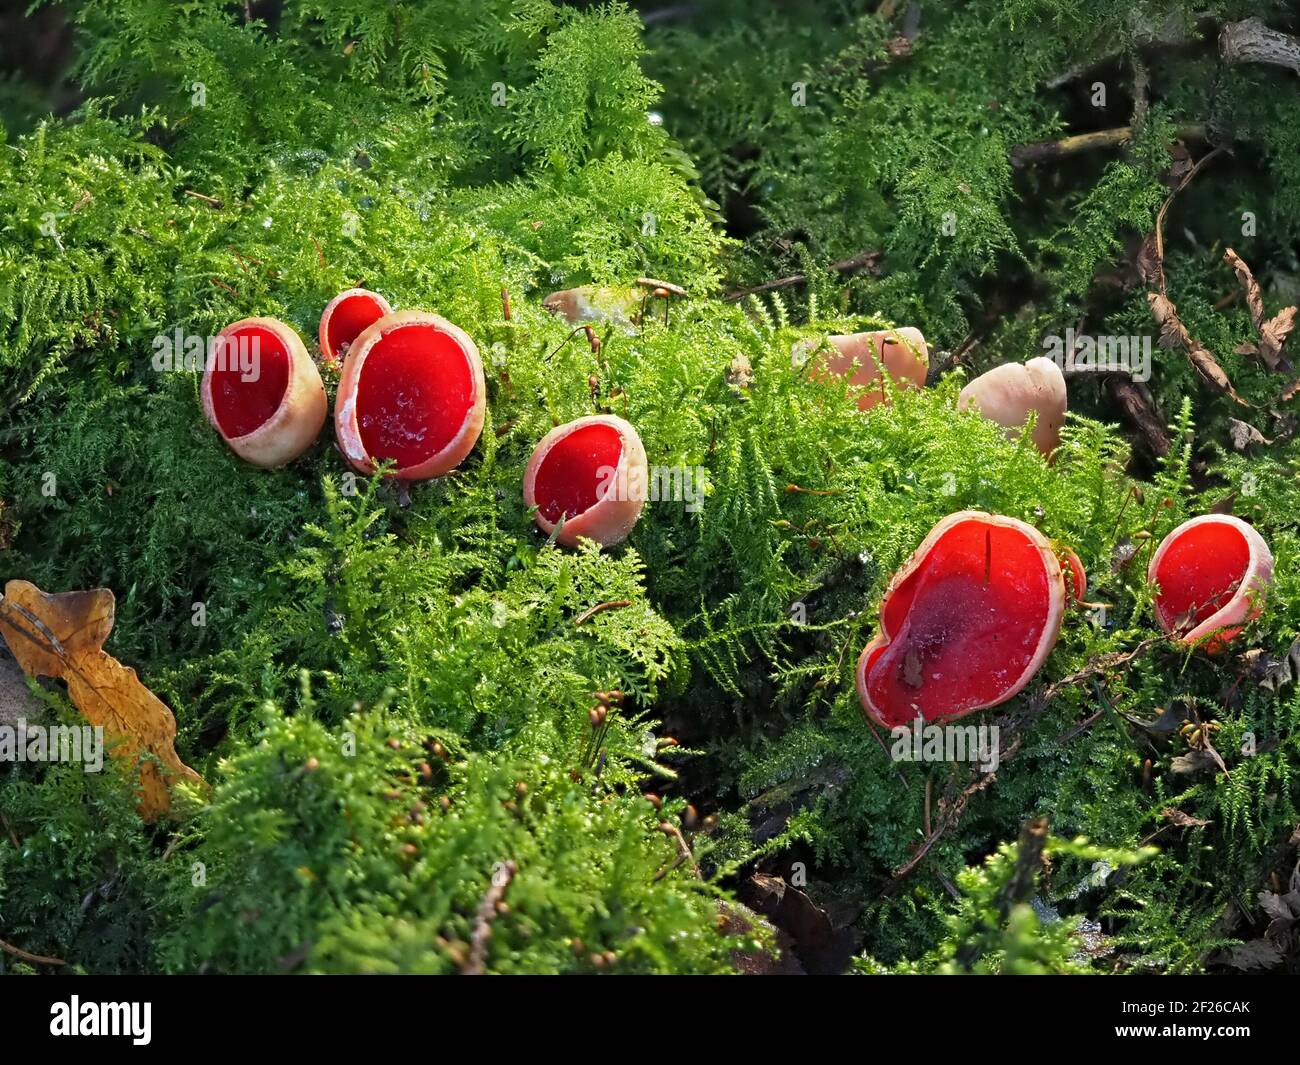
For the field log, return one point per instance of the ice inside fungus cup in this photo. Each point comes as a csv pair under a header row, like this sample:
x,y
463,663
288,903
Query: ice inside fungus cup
x,y
588,477
411,392
345,317
262,393
902,352
965,624
1007,393
1212,574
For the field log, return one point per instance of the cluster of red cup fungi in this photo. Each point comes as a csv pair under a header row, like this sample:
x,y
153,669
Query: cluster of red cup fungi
x,y
972,615
964,624
411,394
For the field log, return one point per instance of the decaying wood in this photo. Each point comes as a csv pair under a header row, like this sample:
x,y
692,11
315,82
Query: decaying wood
x,y
1043,151
1139,410
1250,41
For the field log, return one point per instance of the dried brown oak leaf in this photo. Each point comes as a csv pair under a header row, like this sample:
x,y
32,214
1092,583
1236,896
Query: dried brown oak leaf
x,y
63,636
1273,332
1174,334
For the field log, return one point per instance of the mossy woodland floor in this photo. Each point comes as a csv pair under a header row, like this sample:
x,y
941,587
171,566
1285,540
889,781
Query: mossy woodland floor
x,y
218,167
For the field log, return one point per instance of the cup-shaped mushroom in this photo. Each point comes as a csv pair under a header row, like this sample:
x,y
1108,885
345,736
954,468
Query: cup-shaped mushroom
x,y
965,624
1212,574
412,393
588,477
590,303
860,356
1007,393
1076,578
262,392
345,317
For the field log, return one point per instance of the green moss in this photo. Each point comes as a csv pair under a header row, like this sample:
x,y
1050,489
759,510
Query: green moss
x,y
351,144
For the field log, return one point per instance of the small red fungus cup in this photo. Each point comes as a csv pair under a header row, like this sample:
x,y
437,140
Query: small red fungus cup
x,y
965,624
1007,394
344,319
411,392
1212,574
861,356
588,478
262,393
1076,578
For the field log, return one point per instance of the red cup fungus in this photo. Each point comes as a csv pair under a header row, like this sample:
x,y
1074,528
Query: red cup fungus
x,y
344,318
262,392
412,392
1007,393
860,356
592,473
1212,574
965,624
1076,579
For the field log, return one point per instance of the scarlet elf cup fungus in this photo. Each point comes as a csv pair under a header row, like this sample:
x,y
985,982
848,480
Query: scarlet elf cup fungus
x,y
412,392
1076,579
345,317
588,477
262,392
965,624
1212,573
1007,393
902,352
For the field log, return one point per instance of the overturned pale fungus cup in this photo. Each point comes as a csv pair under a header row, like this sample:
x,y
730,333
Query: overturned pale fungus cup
x,y
262,393
1007,394
411,392
588,478
861,356
590,303
345,317
1212,574
965,624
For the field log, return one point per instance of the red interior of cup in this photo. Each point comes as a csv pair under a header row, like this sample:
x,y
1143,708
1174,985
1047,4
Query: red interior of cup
x,y
966,624
349,317
569,480
1200,572
414,394
249,378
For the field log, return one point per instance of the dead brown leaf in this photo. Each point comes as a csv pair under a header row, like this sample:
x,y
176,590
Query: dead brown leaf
x,y
1243,434
1255,956
63,636
1273,332
1174,334
1181,819
1195,761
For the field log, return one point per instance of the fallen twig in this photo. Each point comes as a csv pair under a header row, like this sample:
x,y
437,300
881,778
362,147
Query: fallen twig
x,y
1165,312
211,201
1022,155
613,604
487,912
867,260
35,959
683,853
